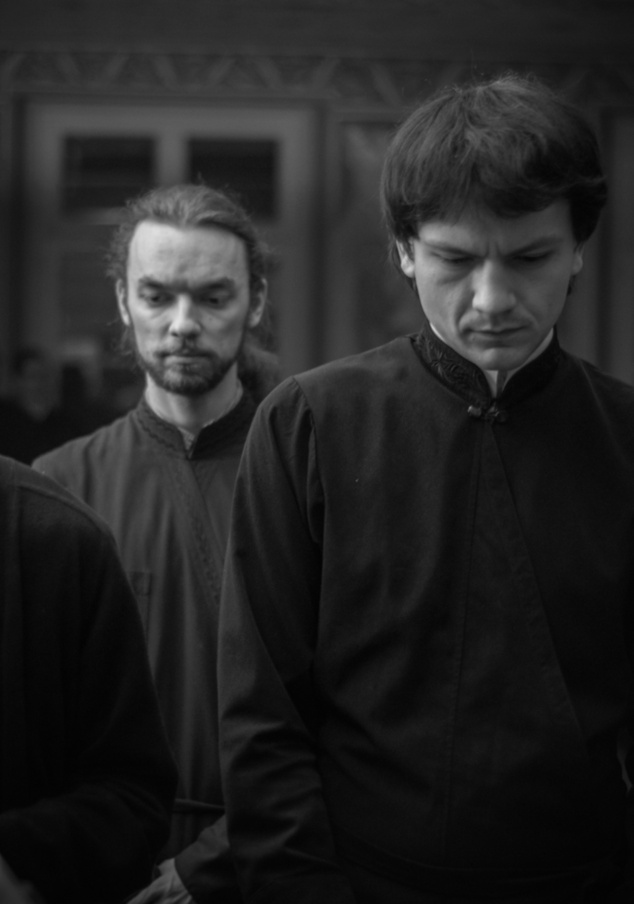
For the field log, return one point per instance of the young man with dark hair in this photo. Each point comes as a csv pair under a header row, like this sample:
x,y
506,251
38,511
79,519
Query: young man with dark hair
x,y
190,278
426,621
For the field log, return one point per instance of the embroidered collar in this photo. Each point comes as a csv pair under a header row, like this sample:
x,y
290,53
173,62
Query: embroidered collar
x,y
189,438
218,434
467,380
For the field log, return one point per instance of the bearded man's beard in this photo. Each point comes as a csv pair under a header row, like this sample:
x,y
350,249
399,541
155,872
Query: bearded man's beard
x,y
201,375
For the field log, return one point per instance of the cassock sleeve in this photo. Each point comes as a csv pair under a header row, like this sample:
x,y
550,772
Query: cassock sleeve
x,y
87,776
269,710
206,867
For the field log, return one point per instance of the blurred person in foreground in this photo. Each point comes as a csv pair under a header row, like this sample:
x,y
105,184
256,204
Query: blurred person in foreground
x,y
86,776
190,279
425,656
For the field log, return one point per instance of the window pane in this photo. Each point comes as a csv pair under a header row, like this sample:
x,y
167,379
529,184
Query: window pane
x,y
248,168
103,172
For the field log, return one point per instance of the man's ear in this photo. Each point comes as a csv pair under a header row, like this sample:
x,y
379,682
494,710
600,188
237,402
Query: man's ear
x,y
406,258
577,261
258,303
122,301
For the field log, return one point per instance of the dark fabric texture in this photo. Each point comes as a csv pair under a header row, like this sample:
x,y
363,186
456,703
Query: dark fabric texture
x,y
169,511
86,776
426,631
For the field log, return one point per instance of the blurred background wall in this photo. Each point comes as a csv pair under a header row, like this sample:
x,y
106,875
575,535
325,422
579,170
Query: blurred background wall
x,y
290,102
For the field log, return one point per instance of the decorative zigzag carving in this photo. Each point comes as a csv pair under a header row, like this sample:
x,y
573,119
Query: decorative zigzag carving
x,y
383,83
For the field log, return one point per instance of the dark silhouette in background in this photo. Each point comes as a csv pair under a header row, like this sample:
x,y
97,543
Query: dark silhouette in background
x,y
47,406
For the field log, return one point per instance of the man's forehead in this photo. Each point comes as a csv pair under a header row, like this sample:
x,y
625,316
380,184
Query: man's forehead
x,y
165,245
478,225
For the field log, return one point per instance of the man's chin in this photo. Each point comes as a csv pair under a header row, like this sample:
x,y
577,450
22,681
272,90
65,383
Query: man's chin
x,y
193,377
184,381
189,386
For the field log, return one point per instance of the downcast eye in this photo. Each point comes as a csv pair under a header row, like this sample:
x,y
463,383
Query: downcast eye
x,y
532,258
457,259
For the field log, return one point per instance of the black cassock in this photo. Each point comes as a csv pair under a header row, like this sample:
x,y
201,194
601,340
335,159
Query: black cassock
x,y
426,631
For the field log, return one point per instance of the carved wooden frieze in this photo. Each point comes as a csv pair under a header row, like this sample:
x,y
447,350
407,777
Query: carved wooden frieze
x,y
384,83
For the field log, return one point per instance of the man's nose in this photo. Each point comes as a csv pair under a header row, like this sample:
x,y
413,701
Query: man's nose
x,y
185,320
493,290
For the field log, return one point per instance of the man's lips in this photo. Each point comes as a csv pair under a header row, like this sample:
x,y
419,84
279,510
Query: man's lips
x,y
496,332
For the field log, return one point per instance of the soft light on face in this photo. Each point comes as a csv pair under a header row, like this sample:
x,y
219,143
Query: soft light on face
x,y
493,287
188,304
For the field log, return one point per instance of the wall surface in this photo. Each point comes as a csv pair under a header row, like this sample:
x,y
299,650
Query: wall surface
x,y
533,30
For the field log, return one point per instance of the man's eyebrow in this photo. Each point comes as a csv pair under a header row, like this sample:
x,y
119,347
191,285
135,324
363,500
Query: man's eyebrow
x,y
223,282
444,244
550,240
149,282
541,242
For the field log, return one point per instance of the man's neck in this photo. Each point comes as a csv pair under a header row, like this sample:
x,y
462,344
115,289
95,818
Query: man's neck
x,y
191,413
493,376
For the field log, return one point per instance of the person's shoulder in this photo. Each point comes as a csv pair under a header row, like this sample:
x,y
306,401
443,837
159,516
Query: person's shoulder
x,y
46,507
350,374
373,363
605,386
602,397
259,371
95,445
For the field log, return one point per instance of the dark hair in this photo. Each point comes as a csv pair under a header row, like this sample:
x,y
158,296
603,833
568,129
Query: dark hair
x,y
188,206
510,144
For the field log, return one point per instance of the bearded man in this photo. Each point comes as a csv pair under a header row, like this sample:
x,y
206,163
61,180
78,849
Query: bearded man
x,y
189,272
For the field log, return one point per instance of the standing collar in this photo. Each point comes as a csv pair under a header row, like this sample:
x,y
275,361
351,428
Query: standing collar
x,y
189,437
470,382
493,376
220,433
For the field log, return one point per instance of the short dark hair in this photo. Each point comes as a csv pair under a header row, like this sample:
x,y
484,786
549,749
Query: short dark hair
x,y
188,206
511,144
